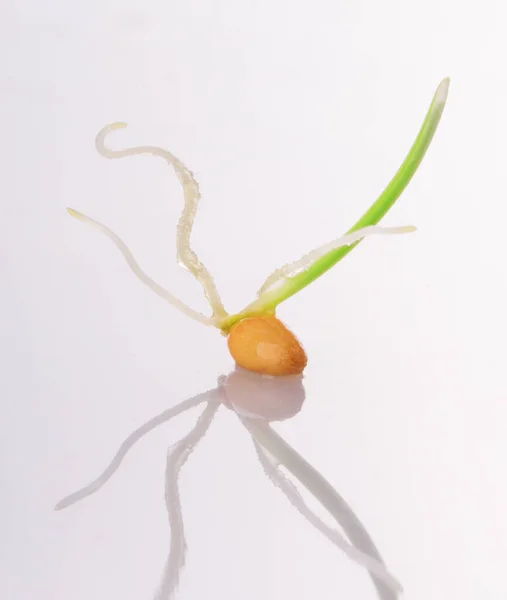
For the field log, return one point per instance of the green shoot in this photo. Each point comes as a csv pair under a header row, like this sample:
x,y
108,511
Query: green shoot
x,y
270,298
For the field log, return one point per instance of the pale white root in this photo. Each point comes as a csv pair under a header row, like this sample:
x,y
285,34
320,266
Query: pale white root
x,y
191,195
176,458
346,240
138,272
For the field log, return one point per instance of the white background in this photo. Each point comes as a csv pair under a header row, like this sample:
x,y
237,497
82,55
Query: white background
x,y
293,116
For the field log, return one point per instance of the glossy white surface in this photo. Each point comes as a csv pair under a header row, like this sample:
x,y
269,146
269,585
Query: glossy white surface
x,y
293,118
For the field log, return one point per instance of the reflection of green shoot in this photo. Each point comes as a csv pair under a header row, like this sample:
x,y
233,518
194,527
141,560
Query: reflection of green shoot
x,y
271,296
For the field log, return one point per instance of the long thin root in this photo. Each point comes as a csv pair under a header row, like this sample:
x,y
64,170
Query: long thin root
x,y
138,272
346,240
191,195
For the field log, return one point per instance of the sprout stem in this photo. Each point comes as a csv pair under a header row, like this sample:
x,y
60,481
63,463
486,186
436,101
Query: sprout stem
x,y
268,301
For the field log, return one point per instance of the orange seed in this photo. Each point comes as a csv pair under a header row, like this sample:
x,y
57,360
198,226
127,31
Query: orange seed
x,y
265,345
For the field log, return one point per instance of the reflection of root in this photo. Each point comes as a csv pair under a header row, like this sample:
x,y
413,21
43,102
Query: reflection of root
x,y
272,470
128,443
273,451
363,550
176,458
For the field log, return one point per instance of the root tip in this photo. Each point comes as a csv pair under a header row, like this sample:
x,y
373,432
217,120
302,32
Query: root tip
x,y
73,213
